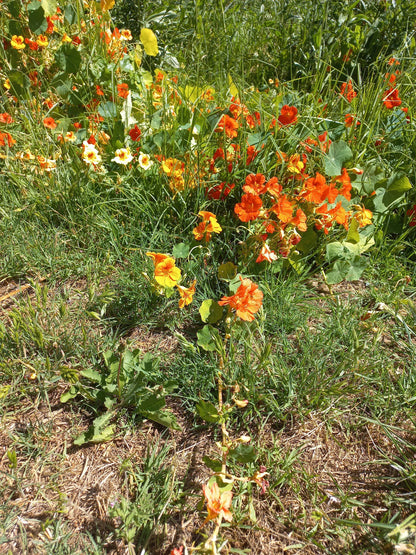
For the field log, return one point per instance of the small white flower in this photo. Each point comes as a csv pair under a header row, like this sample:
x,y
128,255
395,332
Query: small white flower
x,y
144,161
123,156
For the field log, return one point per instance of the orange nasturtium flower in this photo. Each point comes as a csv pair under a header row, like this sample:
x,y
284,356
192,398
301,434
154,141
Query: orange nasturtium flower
x,y
249,207
166,273
50,123
228,125
254,184
246,301
18,42
6,139
186,293
218,504
266,254
208,226
5,117
123,90
347,91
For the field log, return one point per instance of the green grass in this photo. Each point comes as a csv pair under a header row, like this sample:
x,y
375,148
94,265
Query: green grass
x,y
328,370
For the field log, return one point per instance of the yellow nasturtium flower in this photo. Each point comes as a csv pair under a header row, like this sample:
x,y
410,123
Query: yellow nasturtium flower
x,y
208,226
18,42
363,216
106,5
166,272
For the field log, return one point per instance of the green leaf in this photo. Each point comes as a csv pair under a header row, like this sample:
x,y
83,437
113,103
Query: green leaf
x,y
207,411
338,153
19,82
163,417
49,6
357,267
213,464
243,453
107,110
99,431
398,184
350,270
210,311
91,374
180,250
207,338
14,8
227,271
70,14
334,250
308,242
37,20
151,403
90,436
252,512
62,85
68,58
234,284
353,236
338,272
11,455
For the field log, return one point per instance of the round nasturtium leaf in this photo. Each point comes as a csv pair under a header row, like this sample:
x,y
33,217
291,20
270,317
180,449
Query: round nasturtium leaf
x,y
149,41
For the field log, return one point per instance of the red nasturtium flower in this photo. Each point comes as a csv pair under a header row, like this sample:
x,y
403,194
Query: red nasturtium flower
x,y
345,181
135,134
315,189
288,115
228,125
32,44
391,98
246,301
249,207
412,214
220,191
50,123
